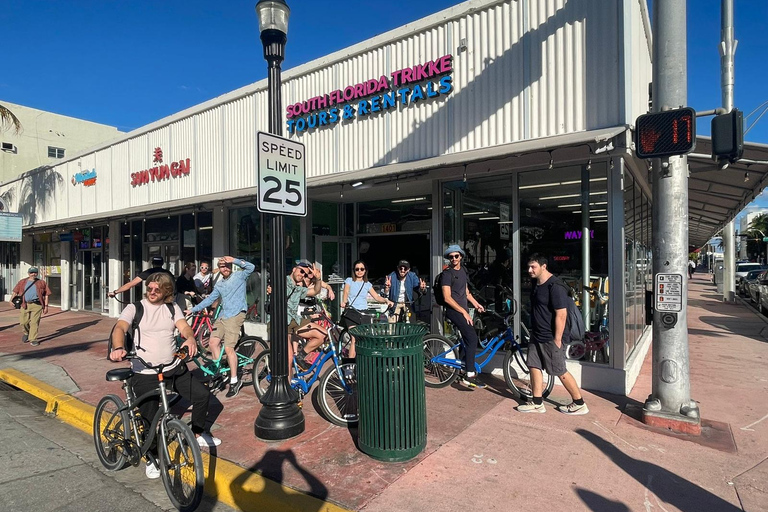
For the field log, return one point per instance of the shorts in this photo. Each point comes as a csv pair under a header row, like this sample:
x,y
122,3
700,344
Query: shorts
x,y
228,329
546,356
293,327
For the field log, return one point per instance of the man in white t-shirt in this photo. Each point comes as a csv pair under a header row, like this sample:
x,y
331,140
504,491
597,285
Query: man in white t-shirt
x,y
155,343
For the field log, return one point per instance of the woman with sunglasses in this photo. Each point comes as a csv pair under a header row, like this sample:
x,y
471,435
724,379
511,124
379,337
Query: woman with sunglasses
x,y
359,289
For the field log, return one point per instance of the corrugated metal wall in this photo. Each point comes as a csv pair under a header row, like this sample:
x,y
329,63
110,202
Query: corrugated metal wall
x,y
531,68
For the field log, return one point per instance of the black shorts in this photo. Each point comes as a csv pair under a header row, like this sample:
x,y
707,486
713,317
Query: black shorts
x,y
546,356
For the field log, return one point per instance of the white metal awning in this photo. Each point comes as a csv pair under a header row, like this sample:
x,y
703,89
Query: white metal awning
x,y
717,196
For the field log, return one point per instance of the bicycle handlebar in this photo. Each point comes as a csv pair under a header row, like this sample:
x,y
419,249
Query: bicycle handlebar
x,y
182,354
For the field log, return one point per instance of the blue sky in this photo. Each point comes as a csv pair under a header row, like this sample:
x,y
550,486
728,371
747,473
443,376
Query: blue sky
x,y
129,63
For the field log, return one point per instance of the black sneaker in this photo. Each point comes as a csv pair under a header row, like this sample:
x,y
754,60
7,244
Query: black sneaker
x,y
234,389
473,382
35,343
24,338
300,362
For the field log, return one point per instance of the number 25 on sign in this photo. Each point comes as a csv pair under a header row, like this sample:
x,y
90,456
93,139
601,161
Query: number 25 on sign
x,y
282,181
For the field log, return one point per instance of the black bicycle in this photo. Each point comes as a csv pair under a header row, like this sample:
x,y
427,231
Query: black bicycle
x,y
123,436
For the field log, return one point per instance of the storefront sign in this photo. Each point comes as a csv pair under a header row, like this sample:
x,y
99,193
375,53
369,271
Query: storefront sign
x,y
160,172
389,227
576,235
85,178
66,237
10,226
405,86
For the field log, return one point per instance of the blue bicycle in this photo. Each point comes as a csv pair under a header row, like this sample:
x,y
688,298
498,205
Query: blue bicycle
x,y
442,361
337,392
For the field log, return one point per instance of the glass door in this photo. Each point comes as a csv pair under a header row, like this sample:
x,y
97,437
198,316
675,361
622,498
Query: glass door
x,y
169,253
336,255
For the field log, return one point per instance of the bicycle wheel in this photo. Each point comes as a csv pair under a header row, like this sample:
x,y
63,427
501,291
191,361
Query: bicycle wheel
x,y
438,375
110,430
575,351
261,374
338,405
203,336
246,347
181,466
518,376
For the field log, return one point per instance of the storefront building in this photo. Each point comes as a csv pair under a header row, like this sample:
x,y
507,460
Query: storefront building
x,y
503,126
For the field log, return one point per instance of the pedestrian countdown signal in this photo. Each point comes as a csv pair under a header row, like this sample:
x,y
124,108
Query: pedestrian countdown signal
x,y
668,133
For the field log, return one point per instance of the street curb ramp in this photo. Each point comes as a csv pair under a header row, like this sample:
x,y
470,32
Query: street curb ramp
x,y
252,491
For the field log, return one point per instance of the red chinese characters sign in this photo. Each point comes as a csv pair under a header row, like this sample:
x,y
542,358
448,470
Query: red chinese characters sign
x,y
160,171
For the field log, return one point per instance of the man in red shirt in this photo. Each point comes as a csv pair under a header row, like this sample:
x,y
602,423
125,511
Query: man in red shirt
x,y
34,294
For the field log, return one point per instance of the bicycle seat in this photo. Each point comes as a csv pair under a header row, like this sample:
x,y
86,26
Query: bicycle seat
x,y
119,374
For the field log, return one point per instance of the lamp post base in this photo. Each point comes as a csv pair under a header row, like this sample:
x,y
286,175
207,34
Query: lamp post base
x,y
280,416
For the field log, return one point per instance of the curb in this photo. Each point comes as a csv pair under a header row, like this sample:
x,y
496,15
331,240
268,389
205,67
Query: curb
x,y
231,484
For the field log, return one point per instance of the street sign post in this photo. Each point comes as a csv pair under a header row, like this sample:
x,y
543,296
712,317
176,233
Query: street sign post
x,y
282,180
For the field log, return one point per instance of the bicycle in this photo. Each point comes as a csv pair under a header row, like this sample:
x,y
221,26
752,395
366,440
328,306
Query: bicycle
x,y
122,436
337,392
216,369
442,363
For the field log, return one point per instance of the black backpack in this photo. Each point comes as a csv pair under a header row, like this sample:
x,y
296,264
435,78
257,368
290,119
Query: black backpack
x,y
574,323
437,290
130,344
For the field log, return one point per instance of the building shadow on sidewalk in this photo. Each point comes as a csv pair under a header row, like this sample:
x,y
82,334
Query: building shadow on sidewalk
x,y
665,485
69,329
273,496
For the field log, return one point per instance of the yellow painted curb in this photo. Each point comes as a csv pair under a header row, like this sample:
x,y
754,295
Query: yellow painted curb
x,y
231,484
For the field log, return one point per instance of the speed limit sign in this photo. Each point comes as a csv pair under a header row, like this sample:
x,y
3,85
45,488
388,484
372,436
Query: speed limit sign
x,y
282,181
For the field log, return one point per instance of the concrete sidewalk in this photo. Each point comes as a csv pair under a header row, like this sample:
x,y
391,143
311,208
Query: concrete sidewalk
x,y
481,454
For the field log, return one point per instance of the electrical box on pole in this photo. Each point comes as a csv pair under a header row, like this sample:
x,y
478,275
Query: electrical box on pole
x,y
668,133
728,136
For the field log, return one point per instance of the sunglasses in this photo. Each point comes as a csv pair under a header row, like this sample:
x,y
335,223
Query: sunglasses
x,y
454,256
402,268
222,266
303,272
153,289
203,268
360,269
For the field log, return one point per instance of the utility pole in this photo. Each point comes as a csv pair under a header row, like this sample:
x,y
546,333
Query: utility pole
x,y
727,53
670,405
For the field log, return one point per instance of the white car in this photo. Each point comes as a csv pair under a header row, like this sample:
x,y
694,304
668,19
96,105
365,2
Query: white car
x,y
742,269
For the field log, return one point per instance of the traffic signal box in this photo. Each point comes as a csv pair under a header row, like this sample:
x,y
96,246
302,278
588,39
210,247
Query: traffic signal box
x,y
668,133
728,137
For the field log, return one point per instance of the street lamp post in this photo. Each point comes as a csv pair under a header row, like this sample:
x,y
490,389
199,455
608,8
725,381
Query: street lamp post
x,y
280,416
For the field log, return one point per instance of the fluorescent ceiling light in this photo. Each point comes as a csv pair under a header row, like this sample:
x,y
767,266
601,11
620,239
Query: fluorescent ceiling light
x,y
577,205
556,184
409,200
598,216
488,218
357,184
570,195
467,214
601,220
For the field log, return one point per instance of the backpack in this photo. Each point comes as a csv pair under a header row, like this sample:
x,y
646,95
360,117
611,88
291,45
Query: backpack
x,y
134,332
574,322
437,289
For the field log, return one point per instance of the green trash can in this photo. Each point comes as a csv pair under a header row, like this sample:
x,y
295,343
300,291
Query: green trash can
x,y
390,386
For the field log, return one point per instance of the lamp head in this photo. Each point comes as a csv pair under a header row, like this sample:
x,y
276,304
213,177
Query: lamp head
x,y
273,19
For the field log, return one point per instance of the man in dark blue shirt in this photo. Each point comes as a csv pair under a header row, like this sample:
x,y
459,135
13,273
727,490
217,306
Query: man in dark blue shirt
x,y
546,351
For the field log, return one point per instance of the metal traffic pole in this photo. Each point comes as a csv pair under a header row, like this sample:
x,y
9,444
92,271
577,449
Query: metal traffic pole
x,y
670,404
727,54
280,416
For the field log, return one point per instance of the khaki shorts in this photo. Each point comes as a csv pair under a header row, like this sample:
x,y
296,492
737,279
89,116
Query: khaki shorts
x,y
228,329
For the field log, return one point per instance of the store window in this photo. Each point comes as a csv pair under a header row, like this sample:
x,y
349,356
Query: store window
x,y
551,222
55,152
247,241
638,269
46,256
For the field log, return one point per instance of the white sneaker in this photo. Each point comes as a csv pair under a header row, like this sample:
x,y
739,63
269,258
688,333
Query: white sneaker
x,y
206,440
531,407
152,472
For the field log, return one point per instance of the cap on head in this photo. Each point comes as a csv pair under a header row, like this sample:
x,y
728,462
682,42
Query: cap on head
x,y
403,263
303,263
453,248
33,270
157,261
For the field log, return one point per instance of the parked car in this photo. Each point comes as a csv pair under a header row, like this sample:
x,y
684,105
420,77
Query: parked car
x,y
743,268
762,297
750,285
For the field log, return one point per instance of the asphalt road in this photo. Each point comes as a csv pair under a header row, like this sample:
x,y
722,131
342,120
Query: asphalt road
x,y
47,465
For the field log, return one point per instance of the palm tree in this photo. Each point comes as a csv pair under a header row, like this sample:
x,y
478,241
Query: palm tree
x,y
9,120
